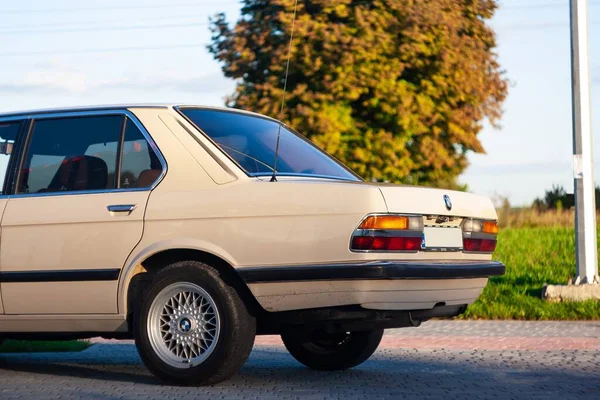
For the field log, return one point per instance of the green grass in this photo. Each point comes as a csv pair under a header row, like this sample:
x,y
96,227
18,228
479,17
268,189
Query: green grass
x,y
24,346
533,257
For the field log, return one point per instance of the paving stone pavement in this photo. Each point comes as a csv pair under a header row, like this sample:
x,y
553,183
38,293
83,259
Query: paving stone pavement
x,y
454,360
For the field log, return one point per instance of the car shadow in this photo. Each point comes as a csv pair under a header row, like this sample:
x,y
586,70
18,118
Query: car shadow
x,y
76,371
270,369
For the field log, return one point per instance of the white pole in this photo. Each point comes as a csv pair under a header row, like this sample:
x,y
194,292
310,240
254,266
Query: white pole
x,y
585,203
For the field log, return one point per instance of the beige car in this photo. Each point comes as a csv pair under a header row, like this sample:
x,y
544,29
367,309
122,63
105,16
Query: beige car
x,y
168,224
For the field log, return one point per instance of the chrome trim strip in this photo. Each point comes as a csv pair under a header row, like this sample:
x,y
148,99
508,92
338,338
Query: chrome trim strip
x,y
78,192
299,175
130,115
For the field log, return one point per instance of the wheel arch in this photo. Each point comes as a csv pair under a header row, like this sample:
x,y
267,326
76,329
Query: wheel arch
x,y
139,271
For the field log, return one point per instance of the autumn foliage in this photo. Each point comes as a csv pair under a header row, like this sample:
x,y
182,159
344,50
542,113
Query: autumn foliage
x,y
396,89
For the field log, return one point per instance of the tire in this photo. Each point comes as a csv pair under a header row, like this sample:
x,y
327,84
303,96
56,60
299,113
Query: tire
x,y
332,351
189,300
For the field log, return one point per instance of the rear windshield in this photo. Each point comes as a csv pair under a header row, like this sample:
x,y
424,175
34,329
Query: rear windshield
x,y
251,141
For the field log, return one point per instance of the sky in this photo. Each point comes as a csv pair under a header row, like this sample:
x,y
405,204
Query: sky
x,y
56,53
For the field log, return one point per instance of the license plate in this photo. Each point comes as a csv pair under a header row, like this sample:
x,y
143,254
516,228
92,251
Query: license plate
x,y
442,239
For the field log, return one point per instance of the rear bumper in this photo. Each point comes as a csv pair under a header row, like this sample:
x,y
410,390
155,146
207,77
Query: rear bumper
x,y
372,285
373,270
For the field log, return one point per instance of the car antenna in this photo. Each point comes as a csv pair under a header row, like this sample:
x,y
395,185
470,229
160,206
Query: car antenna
x,y
287,71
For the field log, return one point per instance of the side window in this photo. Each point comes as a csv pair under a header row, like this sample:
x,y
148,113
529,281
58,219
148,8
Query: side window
x,y
71,154
8,134
140,167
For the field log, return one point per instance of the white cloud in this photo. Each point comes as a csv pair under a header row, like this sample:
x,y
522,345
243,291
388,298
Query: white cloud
x,y
201,84
56,78
50,77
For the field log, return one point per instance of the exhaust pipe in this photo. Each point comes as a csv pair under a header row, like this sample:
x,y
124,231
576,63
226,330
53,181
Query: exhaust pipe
x,y
416,322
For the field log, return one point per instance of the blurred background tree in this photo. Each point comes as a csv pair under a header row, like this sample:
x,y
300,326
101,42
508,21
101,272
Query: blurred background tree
x,y
557,198
396,89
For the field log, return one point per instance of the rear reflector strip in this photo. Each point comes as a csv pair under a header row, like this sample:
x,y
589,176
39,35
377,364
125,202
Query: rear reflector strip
x,y
384,243
479,245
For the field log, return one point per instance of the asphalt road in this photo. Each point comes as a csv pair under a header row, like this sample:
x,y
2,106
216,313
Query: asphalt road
x,y
442,360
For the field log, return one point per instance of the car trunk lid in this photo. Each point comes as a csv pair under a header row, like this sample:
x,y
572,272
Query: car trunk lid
x,y
436,202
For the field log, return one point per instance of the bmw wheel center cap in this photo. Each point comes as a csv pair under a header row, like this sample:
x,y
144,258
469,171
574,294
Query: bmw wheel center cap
x,y
185,325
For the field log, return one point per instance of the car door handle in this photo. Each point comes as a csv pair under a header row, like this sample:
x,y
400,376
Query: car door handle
x,y
121,208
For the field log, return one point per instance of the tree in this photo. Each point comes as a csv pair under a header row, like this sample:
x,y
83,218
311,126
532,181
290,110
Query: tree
x,y
558,198
396,89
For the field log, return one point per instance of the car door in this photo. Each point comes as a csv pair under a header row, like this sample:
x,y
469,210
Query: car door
x,y
76,212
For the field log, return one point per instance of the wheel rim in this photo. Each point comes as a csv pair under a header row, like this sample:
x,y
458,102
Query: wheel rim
x,y
183,325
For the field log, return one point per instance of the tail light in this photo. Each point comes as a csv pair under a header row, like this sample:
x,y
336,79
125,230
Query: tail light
x,y
388,232
479,236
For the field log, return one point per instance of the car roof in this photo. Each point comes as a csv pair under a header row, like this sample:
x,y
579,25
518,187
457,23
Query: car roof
x,y
58,110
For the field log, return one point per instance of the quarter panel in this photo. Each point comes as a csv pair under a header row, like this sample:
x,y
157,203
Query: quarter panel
x,y
260,222
253,222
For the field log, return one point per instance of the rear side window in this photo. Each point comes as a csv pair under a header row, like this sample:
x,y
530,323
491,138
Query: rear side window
x,y
251,141
72,154
140,167
8,134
